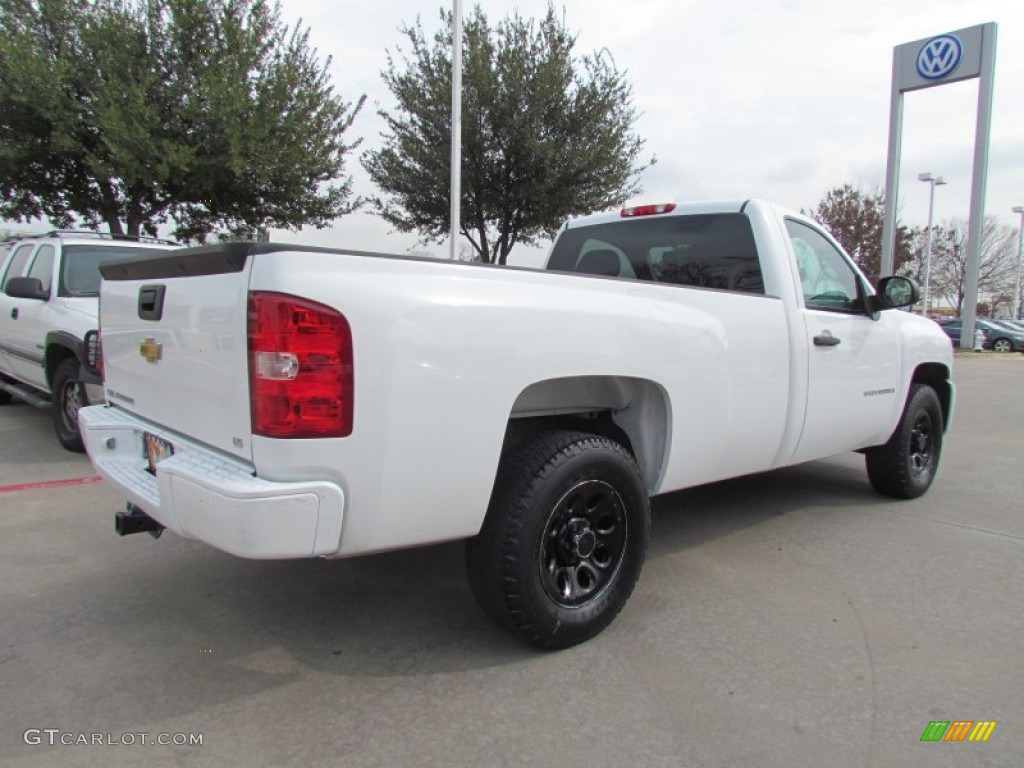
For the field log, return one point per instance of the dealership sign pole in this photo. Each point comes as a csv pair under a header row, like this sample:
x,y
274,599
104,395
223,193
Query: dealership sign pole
x,y
456,174
948,58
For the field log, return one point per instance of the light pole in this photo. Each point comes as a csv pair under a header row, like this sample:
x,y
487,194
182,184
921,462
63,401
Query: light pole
x,y
1020,245
933,181
456,172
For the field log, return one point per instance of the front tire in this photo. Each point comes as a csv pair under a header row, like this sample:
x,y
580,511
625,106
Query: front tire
x,y
68,397
564,539
906,465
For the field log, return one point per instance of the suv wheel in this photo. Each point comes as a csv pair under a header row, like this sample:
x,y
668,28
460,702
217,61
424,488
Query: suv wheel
x,y
68,396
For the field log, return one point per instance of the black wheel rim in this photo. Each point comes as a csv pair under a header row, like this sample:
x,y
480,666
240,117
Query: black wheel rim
x,y
922,444
70,401
583,543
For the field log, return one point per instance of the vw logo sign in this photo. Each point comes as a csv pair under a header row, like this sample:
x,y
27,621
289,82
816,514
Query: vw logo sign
x,y
938,57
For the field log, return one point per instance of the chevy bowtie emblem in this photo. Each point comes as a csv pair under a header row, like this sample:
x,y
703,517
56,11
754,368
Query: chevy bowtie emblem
x,y
151,349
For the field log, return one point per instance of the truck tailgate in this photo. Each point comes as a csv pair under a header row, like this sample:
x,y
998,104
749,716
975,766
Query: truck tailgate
x,y
174,343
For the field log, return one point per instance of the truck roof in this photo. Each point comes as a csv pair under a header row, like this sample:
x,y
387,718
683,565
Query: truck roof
x,y
679,209
80,237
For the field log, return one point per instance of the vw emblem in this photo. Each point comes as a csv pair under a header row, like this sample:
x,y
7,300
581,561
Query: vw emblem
x,y
938,57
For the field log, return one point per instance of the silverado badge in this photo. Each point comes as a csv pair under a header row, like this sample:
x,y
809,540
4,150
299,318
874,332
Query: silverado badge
x,y
151,349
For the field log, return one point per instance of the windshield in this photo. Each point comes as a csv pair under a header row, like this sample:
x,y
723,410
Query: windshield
x,y
80,274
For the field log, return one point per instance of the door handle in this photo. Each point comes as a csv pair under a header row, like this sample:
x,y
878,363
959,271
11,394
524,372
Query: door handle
x,y
825,339
14,313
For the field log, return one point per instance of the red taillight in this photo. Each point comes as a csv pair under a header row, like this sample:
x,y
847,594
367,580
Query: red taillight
x,y
301,377
94,351
647,210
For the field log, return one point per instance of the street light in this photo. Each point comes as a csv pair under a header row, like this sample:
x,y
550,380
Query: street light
x,y
933,181
1020,244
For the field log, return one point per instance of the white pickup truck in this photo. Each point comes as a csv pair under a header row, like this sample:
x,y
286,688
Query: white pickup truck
x,y
277,401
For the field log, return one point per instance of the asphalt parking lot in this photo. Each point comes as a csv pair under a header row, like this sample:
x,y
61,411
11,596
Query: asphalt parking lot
x,y
786,619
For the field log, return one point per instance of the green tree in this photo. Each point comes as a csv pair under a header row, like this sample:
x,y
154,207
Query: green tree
x,y
129,112
855,217
545,134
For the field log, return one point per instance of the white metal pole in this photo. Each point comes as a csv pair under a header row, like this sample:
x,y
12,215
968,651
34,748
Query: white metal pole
x,y
976,223
1020,247
928,247
892,171
456,178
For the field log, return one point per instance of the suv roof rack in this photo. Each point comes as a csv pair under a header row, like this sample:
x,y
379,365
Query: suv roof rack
x,y
107,236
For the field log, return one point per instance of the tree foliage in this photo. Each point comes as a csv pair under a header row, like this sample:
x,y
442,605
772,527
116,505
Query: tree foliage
x,y
997,268
545,134
855,218
127,112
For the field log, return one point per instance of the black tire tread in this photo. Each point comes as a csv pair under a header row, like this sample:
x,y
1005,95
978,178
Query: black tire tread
x,y
66,369
521,474
887,465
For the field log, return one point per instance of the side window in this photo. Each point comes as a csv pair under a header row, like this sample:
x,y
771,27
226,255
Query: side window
x,y
16,266
42,266
827,280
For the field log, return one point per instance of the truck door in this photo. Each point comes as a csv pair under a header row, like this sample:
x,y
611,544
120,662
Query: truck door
x,y
11,308
28,333
852,363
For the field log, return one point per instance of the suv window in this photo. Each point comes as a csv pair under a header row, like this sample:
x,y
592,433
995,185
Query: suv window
x,y
827,280
702,251
42,265
16,266
79,270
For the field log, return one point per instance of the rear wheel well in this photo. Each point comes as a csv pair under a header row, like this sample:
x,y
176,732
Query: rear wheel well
x,y
55,353
632,412
936,375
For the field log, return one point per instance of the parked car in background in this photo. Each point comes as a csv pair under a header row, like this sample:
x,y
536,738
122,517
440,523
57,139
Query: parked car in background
x,y
952,329
997,335
1016,325
49,302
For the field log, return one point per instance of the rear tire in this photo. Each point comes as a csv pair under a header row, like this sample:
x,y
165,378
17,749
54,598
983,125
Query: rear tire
x,y
564,539
68,397
906,465
1002,345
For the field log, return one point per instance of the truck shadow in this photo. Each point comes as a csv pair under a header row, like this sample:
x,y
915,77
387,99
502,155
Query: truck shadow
x,y
214,629
692,517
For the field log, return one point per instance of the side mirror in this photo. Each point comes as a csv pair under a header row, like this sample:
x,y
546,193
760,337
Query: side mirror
x,y
895,292
27,288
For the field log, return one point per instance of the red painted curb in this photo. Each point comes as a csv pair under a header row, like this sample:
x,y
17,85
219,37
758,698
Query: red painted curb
x,y
50,484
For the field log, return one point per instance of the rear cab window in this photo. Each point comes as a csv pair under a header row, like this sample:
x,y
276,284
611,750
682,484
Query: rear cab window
x,y
715,251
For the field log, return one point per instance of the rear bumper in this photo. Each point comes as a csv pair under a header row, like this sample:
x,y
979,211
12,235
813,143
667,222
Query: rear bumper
x,y
204,495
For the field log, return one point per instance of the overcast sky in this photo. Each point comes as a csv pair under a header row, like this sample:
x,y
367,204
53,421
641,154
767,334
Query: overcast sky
x,y
746,98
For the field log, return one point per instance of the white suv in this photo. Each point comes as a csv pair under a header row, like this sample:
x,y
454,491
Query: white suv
x,y
49,302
